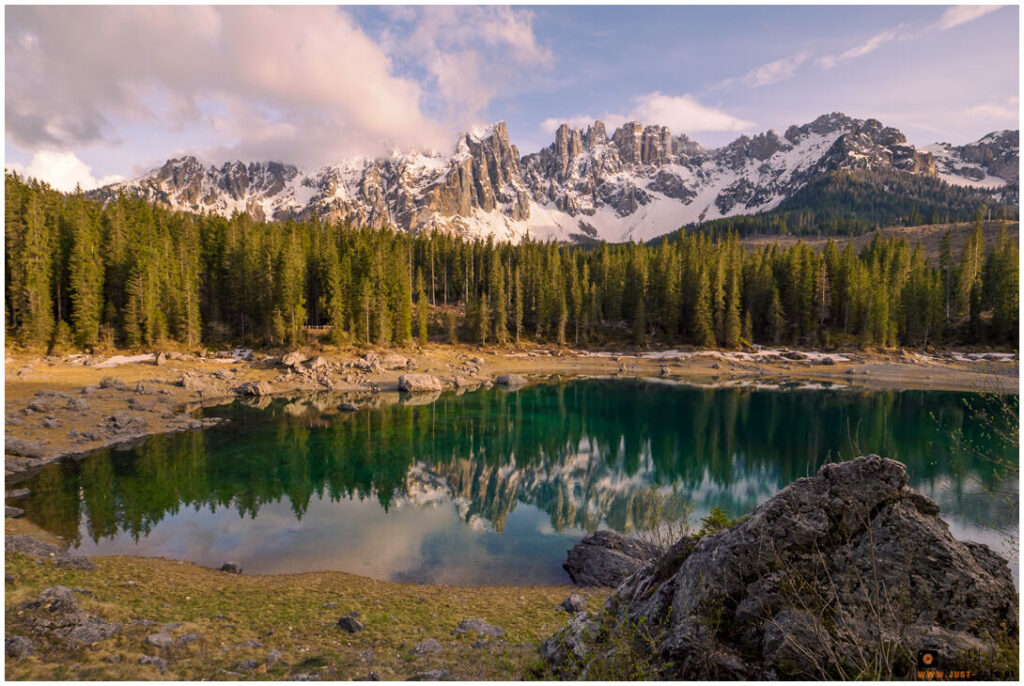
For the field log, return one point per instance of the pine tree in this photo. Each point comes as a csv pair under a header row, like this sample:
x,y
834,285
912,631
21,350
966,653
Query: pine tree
x,y
37,320
483,320
703,329
499,301
86,276
422,307
518,302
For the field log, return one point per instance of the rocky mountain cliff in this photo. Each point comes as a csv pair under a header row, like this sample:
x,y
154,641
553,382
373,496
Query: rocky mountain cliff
x,y
638,183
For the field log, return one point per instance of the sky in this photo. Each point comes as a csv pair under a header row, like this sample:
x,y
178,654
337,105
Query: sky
x,y
94,95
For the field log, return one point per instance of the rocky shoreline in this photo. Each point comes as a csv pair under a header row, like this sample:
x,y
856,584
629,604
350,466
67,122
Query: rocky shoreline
x,y
70,406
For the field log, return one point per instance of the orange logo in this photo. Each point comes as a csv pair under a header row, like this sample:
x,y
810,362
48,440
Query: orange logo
x,y
927,658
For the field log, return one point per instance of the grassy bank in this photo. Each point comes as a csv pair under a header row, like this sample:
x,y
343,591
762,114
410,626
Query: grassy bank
x,y
244,618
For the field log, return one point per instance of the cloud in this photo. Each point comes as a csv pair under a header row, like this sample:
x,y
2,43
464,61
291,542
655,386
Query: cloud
x,y
469,54
680,113
773,72
1006,111
767,74
872,44
961,14
62,170
302,83
683,114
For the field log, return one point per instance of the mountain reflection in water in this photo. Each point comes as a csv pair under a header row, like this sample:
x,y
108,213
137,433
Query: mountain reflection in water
x,y
492,487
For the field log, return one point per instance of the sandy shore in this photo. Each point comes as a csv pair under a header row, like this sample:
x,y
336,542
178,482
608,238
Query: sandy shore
x,y
57,407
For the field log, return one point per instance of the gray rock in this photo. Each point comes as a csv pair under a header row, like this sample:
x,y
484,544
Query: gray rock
x,y
430,675
57,599
807,586
418,383
18,646
511,380
350,624
190,637
254,388
77,404
231,567
248,665
111,382
92,630
273,657
24,448
160,360
606,558
158,662
160,640
293,359
348,407
431,646
479,626
13,512
574,603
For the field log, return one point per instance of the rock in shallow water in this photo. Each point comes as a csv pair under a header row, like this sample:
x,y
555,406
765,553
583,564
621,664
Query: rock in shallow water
x,y
605,558
419,383
511,380
808,586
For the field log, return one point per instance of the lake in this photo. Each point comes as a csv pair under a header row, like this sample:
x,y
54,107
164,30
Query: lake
x,y
492,487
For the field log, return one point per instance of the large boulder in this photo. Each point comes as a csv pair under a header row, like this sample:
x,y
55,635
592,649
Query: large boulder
x,y
511,380
845,574
255,389
605,558
419,383
293,359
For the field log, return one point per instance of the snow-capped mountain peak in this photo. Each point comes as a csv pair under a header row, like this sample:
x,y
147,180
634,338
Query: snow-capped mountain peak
x,y
640,182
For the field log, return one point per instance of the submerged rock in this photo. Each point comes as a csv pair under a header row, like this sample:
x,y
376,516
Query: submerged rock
x,y
605,558
844,574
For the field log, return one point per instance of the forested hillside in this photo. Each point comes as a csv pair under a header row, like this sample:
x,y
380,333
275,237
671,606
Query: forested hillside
x,y
851,203
81,274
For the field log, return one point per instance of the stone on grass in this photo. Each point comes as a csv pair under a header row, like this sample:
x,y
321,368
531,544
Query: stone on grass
x,y
158,662
479,626
350,624
18,646
574,603
431,646
160,640
231,567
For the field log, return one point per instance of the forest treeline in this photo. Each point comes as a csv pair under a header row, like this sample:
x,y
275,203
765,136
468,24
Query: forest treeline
x,y
131,274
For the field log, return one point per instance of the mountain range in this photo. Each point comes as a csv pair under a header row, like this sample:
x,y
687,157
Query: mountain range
x,y
638,183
